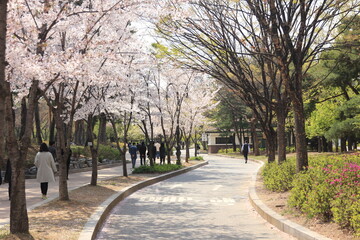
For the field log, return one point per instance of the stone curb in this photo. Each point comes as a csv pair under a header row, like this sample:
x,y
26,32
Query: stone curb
x,y
98,218
279,221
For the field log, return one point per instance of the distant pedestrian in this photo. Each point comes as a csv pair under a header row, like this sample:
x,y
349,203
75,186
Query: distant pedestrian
x,y
162,153
151,152
245,149
46,167
142,151
52,149
157,146
7,177
133,154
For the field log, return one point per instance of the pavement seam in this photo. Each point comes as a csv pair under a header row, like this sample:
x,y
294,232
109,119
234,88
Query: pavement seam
x,y
282,223
97,219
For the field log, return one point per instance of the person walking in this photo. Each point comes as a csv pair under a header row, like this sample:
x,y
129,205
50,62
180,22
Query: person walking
x,y
133,154
46,167
162,153
157,146
245,149
142,151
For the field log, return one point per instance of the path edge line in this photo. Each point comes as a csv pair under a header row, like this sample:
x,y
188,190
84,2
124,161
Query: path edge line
x,y
280,222
97,219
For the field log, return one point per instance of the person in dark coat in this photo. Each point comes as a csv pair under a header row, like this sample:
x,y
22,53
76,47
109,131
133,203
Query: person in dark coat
x,y
245,149
142,151
133,153
151,151
162,153
7,177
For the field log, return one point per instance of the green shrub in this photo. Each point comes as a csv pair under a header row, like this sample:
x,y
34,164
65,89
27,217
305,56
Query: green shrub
x,y
279,177
108,152
196,158
290,149
104,152
157,168
345,205
330,189
78,151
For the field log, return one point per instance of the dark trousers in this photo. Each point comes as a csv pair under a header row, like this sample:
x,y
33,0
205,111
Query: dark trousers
x,y
142,159
44,187
133,160
246,156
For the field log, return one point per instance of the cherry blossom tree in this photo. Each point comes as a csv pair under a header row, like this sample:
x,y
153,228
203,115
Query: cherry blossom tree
x,y
200,99
3,92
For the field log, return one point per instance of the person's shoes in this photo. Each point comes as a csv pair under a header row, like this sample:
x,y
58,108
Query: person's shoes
x,y
44,197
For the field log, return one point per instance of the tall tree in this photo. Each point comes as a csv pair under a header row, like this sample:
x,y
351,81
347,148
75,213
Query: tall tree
x,y
299,31
3,92
209,42
283,37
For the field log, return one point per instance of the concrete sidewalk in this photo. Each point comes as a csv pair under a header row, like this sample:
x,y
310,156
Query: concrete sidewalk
x,y
33,193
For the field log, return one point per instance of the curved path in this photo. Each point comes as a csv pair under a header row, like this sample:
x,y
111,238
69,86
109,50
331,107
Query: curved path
x,y
207,203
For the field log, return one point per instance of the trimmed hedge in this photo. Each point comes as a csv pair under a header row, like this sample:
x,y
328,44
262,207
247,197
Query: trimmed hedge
x,y
329,189
156,168
279,177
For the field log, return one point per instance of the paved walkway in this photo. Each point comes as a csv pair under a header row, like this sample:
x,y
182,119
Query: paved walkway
x,y
33,193
207,203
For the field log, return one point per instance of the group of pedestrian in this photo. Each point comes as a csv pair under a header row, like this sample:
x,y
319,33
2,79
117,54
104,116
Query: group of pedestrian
x,y
153,150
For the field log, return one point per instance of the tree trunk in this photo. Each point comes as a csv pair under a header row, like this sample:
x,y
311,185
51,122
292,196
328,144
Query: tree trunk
x,y
281,135
325,144
319,144
121,151
62,152
23,117
3,92
52,127
330,146
343,144
300,139
233,143
102,129
254,136
79,136
271,148
94,152
187,147
19,222
337,145
37,123
151,153
350,143
17,151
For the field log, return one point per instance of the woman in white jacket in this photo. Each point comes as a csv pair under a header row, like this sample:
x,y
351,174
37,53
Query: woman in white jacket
x,y
46,167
